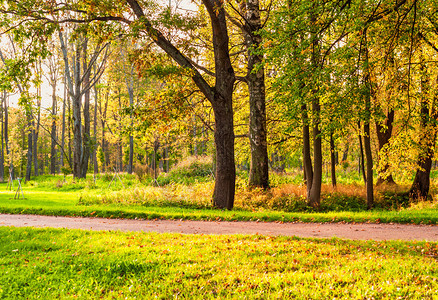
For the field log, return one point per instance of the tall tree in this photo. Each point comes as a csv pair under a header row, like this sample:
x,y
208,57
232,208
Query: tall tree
x,y
78,85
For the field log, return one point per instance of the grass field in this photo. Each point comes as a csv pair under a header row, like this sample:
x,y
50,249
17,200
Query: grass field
x,y
51,195
67,264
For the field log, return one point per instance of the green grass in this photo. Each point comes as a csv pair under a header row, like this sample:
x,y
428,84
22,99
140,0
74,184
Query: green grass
x,y
50,195
66,264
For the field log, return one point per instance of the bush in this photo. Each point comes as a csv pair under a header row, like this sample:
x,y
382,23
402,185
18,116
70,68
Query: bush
x,y
142,171
191,170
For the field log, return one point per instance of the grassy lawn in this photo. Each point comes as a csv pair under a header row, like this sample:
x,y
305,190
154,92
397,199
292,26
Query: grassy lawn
x,y
58,263
50,195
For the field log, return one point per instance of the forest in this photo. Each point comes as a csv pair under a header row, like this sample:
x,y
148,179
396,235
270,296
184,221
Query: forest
x,y
316,88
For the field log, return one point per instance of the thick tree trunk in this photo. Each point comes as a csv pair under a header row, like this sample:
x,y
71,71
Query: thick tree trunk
x,y
428,135
225,169
384,133
259,172
314,199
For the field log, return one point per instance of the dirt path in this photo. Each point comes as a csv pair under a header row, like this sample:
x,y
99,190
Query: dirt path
x,y
325,230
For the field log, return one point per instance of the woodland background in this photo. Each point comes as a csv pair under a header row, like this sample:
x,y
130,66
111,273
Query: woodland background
x,y
320,88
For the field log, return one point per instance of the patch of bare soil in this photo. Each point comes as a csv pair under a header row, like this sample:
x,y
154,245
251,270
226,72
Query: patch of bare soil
x,y
309,230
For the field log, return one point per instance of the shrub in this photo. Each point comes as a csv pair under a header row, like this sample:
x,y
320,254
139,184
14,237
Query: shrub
x,y
142,171
191,170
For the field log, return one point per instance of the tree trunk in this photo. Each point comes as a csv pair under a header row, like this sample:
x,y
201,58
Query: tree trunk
x,y
36,129
362,156
225,169
86,135
53,132
95,164
6,134
428,134
77,118
63,127
367,135
220,96
384,133
29,145
314,199
130,86
259,171
2,153
333,159
307,160
369,158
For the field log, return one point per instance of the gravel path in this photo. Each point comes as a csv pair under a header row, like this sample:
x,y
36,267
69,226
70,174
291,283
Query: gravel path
x,y
324,230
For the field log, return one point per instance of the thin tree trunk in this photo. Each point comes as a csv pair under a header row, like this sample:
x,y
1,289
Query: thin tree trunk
x,y
77,118
130,87
6,134
307,159
63,127
361,157
369,158
86,135
2,154
367,135
53,131
333,159
95,164
29,145
36,129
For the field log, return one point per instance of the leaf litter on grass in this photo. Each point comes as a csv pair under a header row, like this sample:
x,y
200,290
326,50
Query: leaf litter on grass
x,y
43,263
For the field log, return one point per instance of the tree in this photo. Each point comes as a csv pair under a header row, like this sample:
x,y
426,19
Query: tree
x,y
78,85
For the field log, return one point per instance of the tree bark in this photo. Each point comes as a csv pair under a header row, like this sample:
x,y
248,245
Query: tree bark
x,y
314,199
367,135
95,164
2,153
77,118
29,144
307,160
384,133
361,156
428,135
369,158
6,134
333,159
259,172
53,131
86,136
